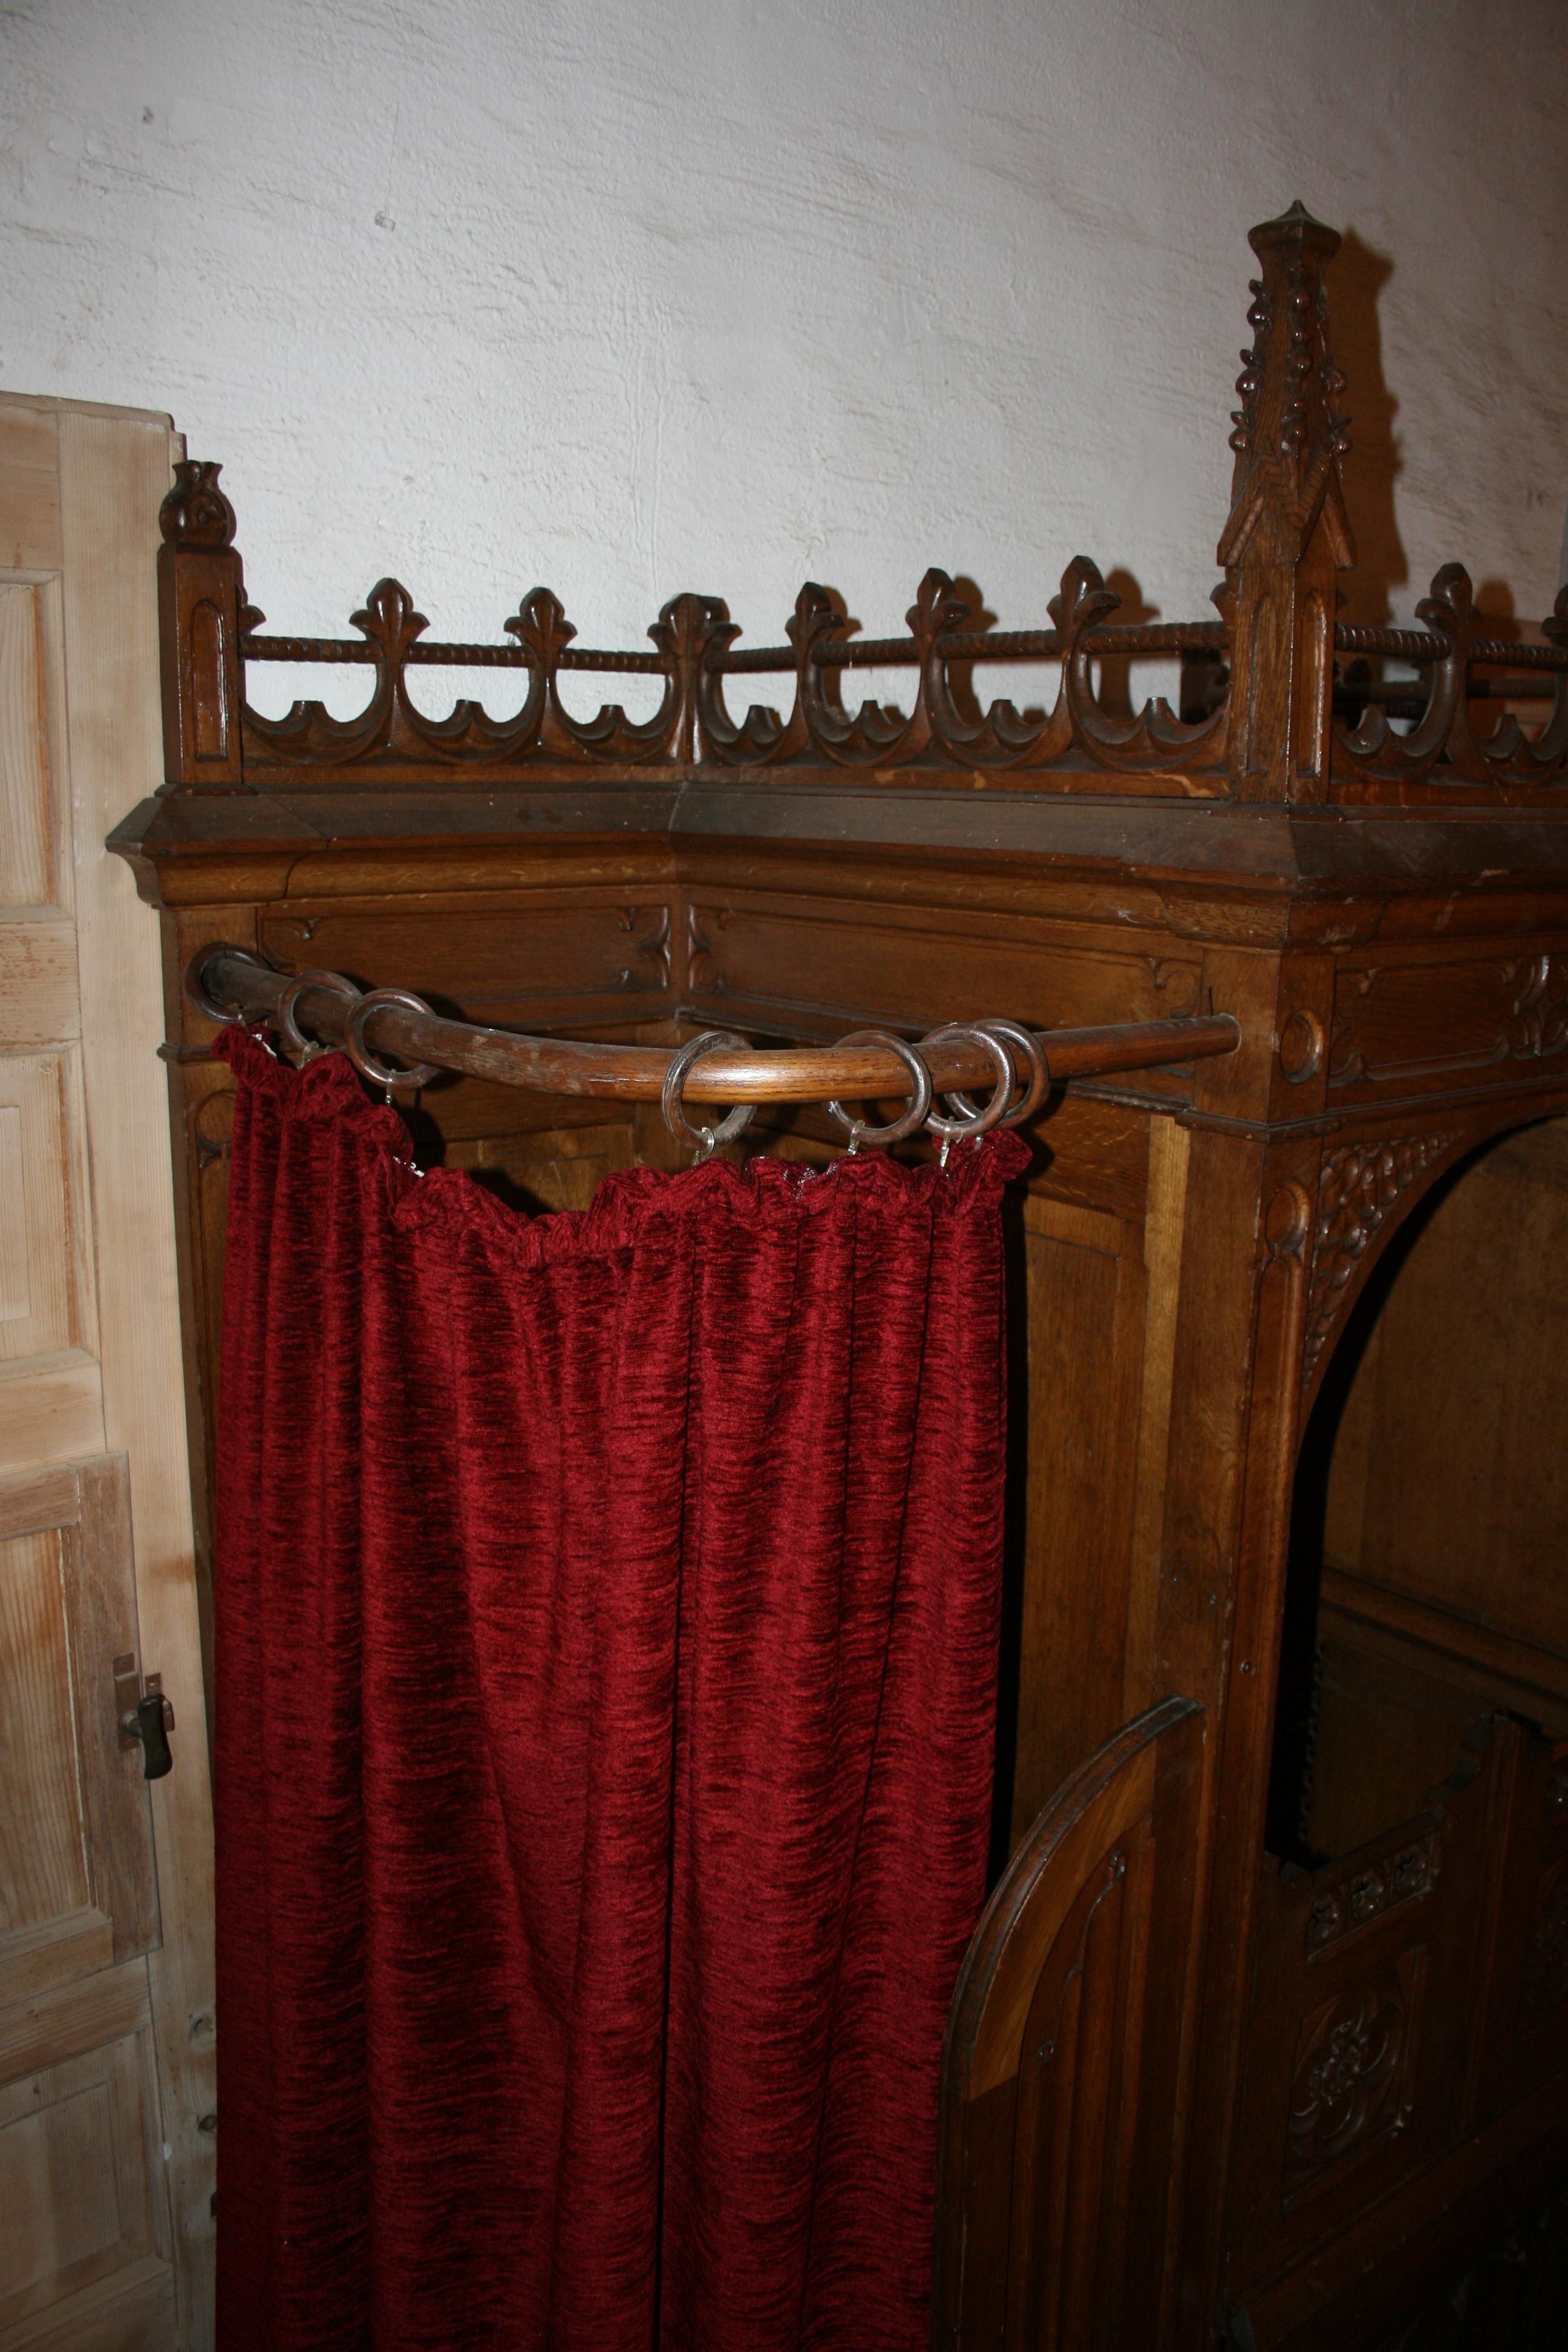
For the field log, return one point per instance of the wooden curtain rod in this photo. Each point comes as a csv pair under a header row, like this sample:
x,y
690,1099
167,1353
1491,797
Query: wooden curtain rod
x,y
233,978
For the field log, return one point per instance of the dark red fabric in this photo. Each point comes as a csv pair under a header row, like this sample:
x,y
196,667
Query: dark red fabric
x,y
607,1626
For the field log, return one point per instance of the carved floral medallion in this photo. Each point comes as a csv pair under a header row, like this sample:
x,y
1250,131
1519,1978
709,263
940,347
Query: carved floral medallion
x,y
1349,2072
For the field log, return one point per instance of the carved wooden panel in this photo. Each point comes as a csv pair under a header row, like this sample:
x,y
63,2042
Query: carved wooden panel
x,y
790,960
1354,2067
563,958
1402,1028
1364,2007
1374,1888
1064,2051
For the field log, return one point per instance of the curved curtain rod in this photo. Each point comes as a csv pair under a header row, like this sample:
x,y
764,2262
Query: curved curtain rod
x,y
231,977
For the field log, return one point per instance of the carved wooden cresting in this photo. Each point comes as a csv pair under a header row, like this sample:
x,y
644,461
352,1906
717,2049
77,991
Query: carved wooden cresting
x,y
1353,839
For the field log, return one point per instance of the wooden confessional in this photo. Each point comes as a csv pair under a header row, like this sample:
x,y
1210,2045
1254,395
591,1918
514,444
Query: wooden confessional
x,y
1265,2033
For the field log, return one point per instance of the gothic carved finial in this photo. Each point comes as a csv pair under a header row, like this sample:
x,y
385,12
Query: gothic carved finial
x,y
1290,431
196,513
1288,531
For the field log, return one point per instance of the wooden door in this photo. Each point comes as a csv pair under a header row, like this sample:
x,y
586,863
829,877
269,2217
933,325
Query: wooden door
x,y
107,2122
1057,2217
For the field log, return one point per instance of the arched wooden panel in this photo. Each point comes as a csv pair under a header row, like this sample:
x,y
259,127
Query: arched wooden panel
x,y
1062,2075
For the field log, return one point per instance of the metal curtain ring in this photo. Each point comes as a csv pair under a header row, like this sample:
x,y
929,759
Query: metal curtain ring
x,y
704,1140
231,1017
1014,1032
288,1028
377,999
969,1033
920,1092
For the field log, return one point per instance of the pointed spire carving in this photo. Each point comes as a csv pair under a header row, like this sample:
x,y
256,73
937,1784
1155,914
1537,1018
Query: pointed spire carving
x,y
1288,531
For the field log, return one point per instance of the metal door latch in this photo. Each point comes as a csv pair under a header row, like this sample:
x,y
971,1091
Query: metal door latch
x,y
146,1717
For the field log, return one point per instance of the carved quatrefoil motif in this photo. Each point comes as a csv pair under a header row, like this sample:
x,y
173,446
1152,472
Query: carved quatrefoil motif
x,y
1348,2073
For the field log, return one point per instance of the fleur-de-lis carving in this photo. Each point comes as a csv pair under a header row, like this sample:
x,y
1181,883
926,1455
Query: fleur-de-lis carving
x,y
541,627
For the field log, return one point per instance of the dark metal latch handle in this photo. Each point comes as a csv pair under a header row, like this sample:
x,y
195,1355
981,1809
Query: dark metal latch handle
x,y
147,1721
150,1726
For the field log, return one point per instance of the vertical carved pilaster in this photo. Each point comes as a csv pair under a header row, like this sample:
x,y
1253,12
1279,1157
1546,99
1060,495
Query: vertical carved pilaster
x,y
200,595
1288,534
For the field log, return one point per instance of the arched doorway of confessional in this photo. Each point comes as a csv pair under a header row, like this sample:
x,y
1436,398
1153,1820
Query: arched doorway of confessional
x,y
1428,1585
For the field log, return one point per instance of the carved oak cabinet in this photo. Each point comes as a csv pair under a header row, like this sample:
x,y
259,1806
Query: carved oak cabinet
x,y
1272,1353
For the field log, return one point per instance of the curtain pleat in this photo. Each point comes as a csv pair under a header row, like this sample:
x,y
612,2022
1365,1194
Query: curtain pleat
x,y
606,1618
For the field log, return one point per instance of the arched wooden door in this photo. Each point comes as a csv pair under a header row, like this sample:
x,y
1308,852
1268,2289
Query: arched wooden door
x,y
1062,2074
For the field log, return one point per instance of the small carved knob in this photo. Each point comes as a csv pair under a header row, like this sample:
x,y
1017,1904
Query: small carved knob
x,y
196,513
1301,1047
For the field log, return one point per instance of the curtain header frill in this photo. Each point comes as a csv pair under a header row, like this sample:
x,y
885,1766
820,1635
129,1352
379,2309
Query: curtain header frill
x,y
449,1203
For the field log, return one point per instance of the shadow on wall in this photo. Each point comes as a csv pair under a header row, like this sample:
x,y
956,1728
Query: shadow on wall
x,y
1356,279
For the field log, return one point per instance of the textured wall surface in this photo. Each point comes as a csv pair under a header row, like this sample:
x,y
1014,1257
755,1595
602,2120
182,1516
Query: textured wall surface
x,y
723,293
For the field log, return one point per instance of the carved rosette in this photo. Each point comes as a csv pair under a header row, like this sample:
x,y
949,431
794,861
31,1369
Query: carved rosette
x,y
1349,2066
1359,1187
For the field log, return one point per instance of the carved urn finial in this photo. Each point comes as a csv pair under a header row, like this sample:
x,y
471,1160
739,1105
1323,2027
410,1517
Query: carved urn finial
x,y
196,513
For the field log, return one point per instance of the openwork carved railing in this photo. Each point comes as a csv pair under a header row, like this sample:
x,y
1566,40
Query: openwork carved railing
x,y
1445,745
1279,702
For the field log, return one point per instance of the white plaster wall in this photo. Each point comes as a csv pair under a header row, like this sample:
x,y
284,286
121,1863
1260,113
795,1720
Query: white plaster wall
x,y
723,293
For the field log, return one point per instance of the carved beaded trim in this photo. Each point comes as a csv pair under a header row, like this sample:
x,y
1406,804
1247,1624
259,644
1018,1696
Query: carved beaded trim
x,y
1378,1887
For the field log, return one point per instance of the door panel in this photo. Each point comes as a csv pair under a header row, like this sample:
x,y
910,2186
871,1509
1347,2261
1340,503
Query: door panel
x,y
106,2015
35,840
79,1840
1058,2211
47,1304
84,2231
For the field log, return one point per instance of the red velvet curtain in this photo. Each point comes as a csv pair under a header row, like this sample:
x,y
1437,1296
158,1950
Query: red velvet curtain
x,y
607,1622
